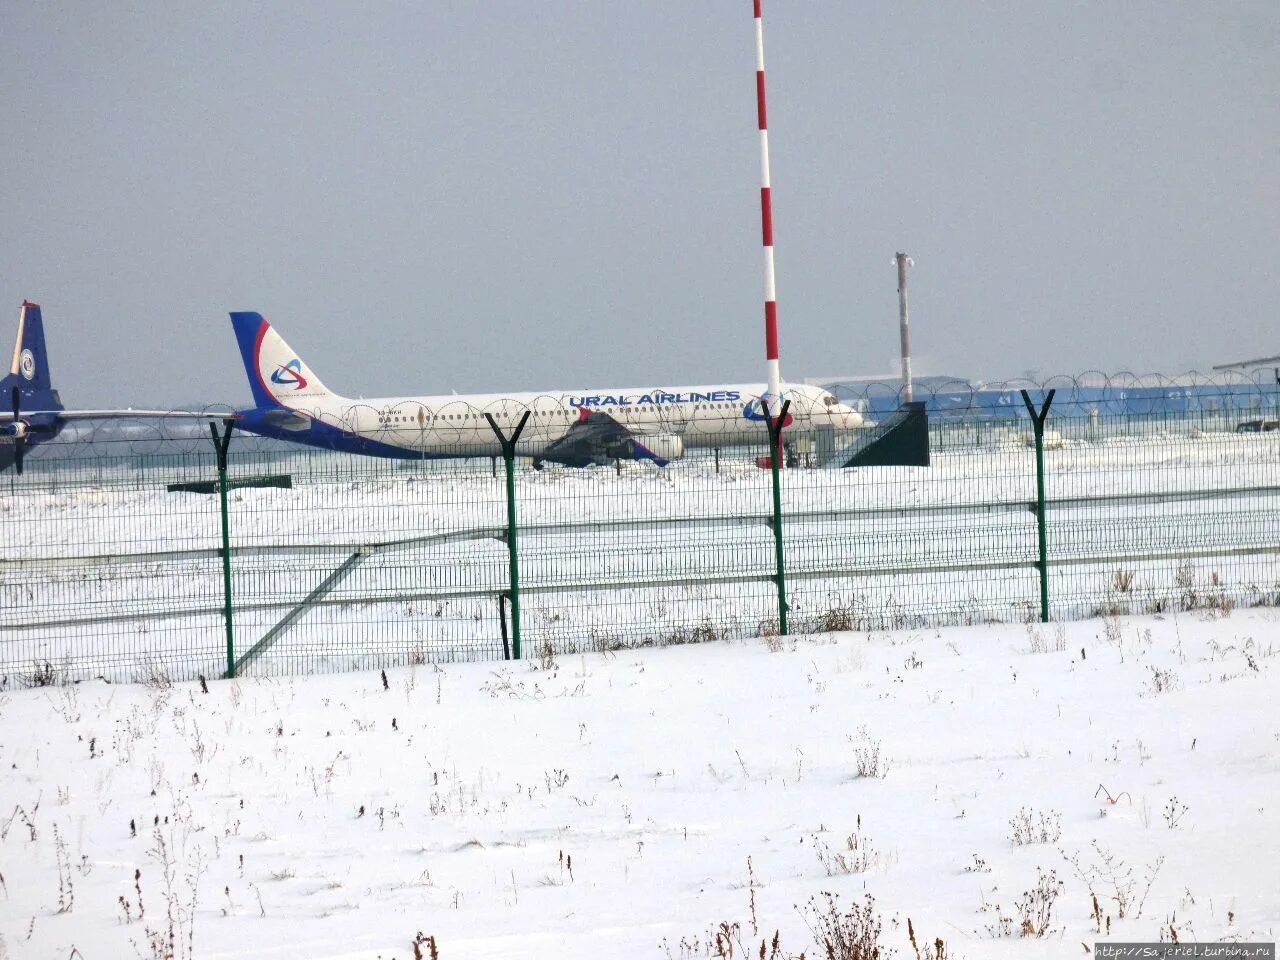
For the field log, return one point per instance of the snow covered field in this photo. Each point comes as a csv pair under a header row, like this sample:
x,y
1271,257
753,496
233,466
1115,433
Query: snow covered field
x,y
978,782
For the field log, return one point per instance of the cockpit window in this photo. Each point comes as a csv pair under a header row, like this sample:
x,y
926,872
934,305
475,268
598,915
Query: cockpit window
x,y
828,400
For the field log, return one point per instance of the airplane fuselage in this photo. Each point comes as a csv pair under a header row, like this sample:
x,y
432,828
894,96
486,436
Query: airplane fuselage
x,y
453,425
576,428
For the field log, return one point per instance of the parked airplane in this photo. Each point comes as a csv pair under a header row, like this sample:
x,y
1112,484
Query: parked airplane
x,y
35,413
576,428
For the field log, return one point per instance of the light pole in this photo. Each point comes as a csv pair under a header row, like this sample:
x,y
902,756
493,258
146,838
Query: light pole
x,y
903,261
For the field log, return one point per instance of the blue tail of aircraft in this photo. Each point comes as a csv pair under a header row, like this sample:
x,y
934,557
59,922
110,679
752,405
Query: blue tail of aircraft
x,y
26,392
29,368
250,329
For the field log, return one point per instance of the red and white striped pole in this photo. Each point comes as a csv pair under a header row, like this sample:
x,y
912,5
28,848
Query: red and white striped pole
x,y
774,395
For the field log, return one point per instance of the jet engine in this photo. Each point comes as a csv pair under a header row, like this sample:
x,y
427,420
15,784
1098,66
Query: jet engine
x,y
664,446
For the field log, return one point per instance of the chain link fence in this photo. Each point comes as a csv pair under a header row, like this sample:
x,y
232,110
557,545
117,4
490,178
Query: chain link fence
x,y
111,559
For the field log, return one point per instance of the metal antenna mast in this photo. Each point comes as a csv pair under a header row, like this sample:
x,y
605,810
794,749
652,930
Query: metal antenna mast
x,y
774,396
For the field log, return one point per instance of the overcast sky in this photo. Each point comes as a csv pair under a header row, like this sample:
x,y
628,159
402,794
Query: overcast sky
x,y
485,196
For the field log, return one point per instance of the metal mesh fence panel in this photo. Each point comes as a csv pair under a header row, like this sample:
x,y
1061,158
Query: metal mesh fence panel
x,y
104,573
111,561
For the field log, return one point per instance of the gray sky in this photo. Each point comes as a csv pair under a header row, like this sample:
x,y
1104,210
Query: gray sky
x,y
483,196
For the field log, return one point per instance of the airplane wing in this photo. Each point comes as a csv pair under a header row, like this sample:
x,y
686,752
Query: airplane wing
x,y
1240,364
8,417
596,438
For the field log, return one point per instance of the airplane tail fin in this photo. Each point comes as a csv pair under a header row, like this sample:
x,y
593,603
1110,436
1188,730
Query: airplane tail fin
x,y
277,375
29,369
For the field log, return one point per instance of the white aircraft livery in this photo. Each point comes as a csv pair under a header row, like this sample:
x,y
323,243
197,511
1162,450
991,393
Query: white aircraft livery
x,y
577,428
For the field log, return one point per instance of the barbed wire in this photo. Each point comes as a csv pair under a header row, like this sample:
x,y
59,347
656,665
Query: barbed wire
x,y
458,426
1123,392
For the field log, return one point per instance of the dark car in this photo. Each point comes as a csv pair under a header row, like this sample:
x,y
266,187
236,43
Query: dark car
x,y
1257,426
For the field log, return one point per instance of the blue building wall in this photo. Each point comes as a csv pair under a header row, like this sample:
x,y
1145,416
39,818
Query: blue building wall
x,y
1077,401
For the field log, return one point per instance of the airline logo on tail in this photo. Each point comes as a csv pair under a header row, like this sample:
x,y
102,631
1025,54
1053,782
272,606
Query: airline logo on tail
x,y
290,374
27,364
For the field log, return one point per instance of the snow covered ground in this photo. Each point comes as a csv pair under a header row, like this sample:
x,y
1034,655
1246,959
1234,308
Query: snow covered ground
x,y
978,782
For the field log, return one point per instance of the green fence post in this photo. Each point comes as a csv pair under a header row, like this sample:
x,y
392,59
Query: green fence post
x,y
775,425
220,444
509,459
1037,425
